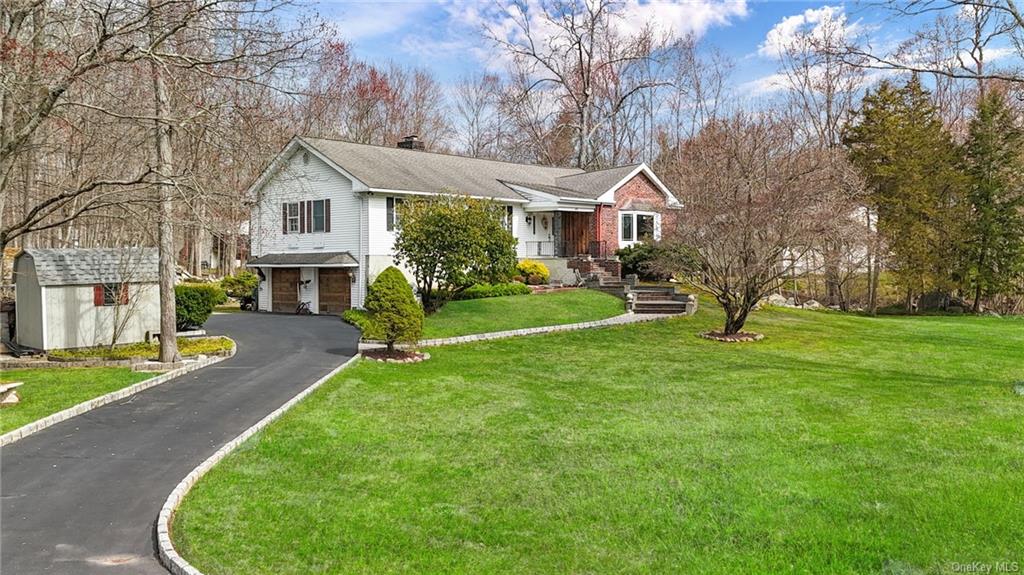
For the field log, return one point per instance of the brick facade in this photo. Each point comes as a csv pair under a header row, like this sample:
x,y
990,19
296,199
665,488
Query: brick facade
x,y
639,194
586,266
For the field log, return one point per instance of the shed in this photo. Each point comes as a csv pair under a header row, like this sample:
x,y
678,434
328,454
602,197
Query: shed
x,y
71,298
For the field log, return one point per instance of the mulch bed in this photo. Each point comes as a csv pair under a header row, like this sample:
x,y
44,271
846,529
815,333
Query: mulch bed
x,y
397,356
741,337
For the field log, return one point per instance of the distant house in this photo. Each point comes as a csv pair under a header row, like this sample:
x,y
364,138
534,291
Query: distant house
x,y
70,298
324,219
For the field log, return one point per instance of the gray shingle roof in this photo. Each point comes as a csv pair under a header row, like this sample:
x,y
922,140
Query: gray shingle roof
x,y
392,168
554,190
305,259
57,267
593,184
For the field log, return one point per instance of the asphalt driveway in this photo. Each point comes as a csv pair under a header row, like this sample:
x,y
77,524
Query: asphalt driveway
x,y
83,496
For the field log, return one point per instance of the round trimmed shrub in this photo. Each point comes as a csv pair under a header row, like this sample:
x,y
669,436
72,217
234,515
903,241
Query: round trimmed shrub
x,y
395,315
535,270
193,304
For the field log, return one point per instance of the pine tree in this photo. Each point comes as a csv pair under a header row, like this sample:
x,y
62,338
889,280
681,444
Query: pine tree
x,y
395,315
993,253
899,143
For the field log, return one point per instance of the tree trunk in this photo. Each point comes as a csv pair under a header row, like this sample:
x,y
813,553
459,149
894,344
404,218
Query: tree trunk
x,y
874,268
165,165
976,307
735,318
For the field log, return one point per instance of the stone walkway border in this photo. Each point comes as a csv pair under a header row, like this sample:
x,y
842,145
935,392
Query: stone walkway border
x,y
169,557
88,405
626,318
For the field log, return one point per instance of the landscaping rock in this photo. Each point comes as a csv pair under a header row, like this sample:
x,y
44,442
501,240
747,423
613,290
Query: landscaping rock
x,y
811,304
741,337
778,300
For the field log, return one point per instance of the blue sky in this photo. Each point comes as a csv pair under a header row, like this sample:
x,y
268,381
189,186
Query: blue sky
x,y
446,36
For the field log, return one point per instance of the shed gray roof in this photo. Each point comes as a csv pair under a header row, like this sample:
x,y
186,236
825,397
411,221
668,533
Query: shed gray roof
x,y
59,267
384,167
314,259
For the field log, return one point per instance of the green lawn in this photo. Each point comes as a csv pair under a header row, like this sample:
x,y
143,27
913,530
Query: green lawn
x,y
50,390
839,444
521,311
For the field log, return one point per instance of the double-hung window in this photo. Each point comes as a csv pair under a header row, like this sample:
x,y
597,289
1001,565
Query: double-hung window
x,y
306,217
292,217
392,214
318,221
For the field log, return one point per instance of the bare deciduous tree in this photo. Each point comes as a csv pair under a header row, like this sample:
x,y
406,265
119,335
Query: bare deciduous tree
x,y
573,49
752,194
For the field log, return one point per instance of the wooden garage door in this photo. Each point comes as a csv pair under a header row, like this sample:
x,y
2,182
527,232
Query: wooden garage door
x,y
335,290
285,294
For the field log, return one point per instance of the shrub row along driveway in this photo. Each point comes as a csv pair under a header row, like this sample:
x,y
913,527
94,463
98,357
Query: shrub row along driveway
x,y
83,496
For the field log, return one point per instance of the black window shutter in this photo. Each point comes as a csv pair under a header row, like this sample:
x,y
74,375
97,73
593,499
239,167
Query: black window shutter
x,y
327,215
309,217
284,218
302,217
391,214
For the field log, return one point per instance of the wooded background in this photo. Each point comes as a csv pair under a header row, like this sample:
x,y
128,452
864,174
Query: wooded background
x,y
132,123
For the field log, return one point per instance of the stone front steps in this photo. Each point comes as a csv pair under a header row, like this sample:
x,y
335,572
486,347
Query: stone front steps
x,y
660,300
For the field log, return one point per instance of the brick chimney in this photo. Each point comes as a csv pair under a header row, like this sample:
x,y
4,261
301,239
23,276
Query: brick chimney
x,y
412,142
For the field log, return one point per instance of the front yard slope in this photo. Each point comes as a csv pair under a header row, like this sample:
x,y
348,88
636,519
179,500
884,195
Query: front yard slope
x,y
521,311
839,444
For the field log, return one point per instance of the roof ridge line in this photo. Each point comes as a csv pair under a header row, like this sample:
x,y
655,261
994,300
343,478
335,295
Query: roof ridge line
x,y
604,170
448,154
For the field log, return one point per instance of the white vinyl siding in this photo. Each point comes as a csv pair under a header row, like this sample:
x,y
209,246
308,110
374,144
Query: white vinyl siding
x,y
306,182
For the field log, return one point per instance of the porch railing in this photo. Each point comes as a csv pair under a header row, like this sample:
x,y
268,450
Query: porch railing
x,y
541,250
595,249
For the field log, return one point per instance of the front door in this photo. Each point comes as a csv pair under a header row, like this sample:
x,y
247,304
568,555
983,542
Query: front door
x,y
285,289
335,290
575,233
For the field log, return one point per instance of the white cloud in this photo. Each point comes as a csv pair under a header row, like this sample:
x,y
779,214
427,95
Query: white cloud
x,y
813,21
671,18
365,20
678,18
777,82
765,85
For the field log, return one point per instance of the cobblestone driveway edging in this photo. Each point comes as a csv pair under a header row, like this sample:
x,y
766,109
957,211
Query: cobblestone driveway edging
x,y
169,557
624,319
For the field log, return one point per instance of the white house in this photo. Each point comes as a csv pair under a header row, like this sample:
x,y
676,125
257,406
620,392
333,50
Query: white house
x,y
323,219
70,298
